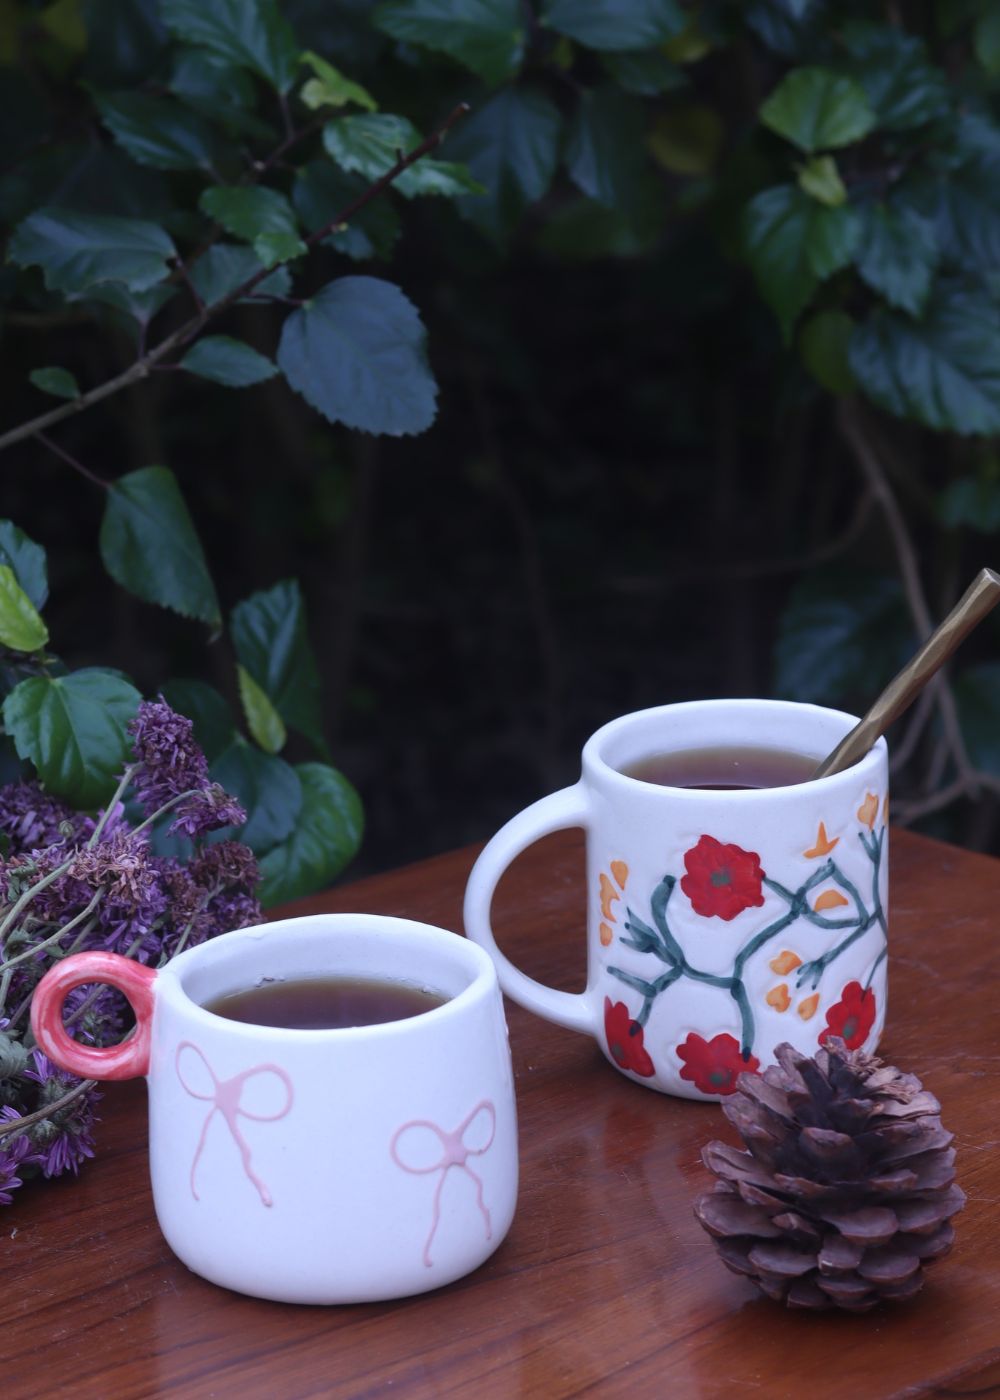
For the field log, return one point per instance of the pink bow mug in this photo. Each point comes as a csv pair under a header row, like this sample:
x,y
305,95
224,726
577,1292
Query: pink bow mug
x,y
346,1164
723,918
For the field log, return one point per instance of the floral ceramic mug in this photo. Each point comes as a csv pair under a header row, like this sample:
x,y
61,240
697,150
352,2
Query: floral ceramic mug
x,y
315,1166
720,922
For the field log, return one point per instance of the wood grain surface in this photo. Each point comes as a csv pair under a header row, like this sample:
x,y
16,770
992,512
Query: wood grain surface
x,y
605,1285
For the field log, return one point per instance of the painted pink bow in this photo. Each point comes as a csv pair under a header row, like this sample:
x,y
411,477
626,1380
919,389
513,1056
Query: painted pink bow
x,y
454,1153
225,1099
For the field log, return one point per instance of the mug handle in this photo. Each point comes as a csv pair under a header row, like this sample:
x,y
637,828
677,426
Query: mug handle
x,y
124,1061
566,808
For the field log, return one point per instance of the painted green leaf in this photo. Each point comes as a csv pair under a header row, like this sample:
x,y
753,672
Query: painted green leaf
x,y
942,371
21,627
149,545
484,35
369,144
269,634
57,381
321,192
898,254
904,88
72,728
604,148
267,788
326,837
213,720
262,216
818,110
225,266
252,34
824,344
356,352
511,146
228,361
265,724
793,244
330,88
27,559
615,25
76,251
158,131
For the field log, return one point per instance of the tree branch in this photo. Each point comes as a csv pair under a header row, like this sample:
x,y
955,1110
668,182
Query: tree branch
x,y
141,368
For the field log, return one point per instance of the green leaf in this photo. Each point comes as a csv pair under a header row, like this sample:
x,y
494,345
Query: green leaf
x,y
904,88
262,216
140,306
511,146
943,371
76,251
615,25
57,381
228,361
329,88
484,35
355,351
964,200
267,788
213,720
824,343
269,634
326,837
369,145
250,33
977,693
793,243
149,545
27,559
321,191
986,41
898,254
842,635
72,728
265,724
817,110
687,139
820,179
21,627
973,502
604,148
218,90
226,266
158,131
646,73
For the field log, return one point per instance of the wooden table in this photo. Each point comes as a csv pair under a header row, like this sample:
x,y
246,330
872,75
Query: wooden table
x,y
605,1285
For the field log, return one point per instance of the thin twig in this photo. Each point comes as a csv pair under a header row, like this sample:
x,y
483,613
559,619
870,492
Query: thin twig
x,y
141,367
72,461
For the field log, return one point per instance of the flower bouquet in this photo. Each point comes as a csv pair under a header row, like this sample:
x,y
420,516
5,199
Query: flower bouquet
x,y
71,881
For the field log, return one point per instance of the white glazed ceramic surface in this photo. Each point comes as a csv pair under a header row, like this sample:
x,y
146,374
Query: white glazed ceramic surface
x,y
342,1165
720,924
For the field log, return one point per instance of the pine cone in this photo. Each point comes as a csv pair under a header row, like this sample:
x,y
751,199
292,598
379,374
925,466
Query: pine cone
x,y
847,1189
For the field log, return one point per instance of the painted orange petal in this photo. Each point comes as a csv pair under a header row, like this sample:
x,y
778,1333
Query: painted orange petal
x,y
868,810
778,997
608,893
620,871
785,962
807,1007
885,809
829,899
823,845
606,935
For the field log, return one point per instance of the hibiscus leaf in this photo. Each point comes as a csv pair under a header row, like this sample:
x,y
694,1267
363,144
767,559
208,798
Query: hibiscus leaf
x,y
486,36
228,361
326,837
329,87
262,216
511,147
158,131
27,559
370,144
898,254
267,788
56,381
21,627
252,34
77,251
818,110
265,724
213,720
616,25
225,266
272,643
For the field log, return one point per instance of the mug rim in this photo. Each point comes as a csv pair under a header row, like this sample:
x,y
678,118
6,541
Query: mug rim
x,y
477,963
595,763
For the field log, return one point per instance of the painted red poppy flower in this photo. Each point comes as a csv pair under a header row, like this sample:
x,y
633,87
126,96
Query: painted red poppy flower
x,y
713,1066
722,880
852,1017
624,1037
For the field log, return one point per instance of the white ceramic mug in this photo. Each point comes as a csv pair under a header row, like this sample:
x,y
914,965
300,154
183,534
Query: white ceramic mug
x,y
720,923
315,1166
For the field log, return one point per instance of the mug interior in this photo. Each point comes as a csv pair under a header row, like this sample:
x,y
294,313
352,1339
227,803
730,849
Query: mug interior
x,y
363,946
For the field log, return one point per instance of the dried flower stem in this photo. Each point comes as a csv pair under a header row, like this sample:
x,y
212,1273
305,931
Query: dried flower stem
x,y
18,1125
53,938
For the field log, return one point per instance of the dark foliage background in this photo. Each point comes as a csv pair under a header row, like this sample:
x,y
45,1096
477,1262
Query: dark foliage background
x,y
635,491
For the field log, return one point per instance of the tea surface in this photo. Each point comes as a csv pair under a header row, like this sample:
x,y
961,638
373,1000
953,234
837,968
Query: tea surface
x,y
325,1003
728,769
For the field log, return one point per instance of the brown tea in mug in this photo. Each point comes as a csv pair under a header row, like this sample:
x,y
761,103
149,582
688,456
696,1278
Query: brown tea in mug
x,y
325,1003
724,768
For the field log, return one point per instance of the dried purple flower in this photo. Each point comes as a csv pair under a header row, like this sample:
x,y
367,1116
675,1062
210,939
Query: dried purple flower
x,y
31,819
65,1139
208,810
171,763
16,1153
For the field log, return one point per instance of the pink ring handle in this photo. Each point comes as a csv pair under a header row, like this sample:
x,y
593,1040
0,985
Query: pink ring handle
x,y
124,1061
